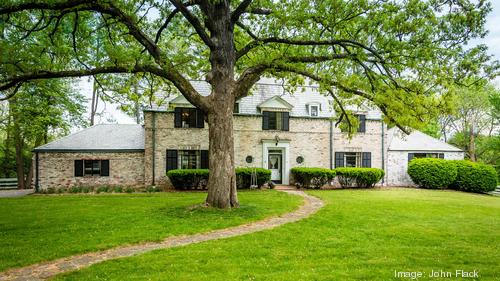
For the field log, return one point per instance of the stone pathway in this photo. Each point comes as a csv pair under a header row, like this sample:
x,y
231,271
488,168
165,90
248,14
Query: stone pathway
x,y
48,269
11,193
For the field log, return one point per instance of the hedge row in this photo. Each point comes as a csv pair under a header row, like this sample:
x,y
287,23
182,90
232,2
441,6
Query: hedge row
x,y
455,174
198,178
348,177
359,177
312,177
94,189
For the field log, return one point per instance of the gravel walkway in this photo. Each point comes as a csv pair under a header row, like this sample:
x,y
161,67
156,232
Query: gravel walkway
x,y
48,269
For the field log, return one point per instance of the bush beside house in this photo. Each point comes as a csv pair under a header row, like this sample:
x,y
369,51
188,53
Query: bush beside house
x,y
359,177
198,178
312,177
474,177
461,175
432,173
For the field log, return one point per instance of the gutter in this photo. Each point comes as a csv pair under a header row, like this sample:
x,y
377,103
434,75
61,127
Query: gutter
x,y
37,173
331,144
383,151
153,145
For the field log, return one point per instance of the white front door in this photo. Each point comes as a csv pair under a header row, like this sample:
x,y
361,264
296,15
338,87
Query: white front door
x,y
275,166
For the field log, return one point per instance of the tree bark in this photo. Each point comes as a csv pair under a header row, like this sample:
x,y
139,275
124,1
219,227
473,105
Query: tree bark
x,y
222,181
472,144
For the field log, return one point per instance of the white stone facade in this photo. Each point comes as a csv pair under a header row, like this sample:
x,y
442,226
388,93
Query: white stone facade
x,y
397,163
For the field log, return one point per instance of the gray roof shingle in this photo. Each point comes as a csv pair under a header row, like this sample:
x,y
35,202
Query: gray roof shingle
x,y
103,137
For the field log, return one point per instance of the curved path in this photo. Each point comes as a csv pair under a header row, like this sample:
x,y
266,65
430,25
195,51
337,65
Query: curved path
x,y
45,270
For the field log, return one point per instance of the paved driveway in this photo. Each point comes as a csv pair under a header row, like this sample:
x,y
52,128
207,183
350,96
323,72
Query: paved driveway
x,y
15,193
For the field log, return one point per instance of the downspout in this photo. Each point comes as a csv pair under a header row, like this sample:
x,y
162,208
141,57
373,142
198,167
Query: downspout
x,y
331,144
154,145
383,150
37,177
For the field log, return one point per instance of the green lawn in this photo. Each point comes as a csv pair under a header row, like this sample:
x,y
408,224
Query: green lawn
x,y
359,235
37,228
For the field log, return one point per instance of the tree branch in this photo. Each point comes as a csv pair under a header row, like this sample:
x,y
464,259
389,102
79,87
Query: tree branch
x,y
194,22
170,17
242,7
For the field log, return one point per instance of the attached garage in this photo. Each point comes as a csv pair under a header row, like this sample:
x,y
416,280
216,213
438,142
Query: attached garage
x,y
403,148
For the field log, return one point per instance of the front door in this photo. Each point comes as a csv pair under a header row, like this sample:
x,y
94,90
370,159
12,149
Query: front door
x,y
275,166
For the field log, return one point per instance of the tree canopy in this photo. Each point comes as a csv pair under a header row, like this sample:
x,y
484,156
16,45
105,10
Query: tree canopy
x,y
397,55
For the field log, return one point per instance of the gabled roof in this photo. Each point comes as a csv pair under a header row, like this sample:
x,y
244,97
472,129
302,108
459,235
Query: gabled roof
x,y
104,137
416,141
180,100
276,103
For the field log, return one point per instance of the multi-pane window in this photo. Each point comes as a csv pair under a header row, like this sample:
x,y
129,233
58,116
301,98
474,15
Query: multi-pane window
x,y
353,159
272,120
314,110
91,168
188,118
362,123
425,155
236,108
187,159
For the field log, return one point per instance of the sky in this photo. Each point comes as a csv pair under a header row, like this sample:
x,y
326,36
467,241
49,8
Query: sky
x,y
111,113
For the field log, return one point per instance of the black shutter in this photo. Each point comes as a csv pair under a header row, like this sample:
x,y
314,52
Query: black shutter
x,y
265,120
105,168
285,117
78,168
441,155
410,156
171,159
366,161
200,119
204,159
178,117
362,123
192,117
339,159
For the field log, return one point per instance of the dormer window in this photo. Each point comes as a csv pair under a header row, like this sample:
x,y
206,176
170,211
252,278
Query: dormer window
x,y
313,109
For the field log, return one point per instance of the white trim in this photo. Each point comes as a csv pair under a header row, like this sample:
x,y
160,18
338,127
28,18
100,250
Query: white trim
x,y
285,149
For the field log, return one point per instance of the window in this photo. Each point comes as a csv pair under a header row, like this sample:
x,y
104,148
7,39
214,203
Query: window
x,y
425,155
314,110
91,168
236,108
272,120
187,159
361,121
353,159
189,118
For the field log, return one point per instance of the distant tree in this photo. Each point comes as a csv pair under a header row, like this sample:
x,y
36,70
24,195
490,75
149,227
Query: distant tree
x,y
38,112
474,117
398,55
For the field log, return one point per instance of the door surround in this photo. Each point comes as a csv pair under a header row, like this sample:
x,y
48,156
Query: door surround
x,y
284,146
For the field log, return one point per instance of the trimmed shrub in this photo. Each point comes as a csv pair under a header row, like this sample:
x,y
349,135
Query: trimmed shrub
x,y
244,176
151,189
432,173
118,189
198,178
312,177
74,189
129,189
359,177
474,177
189,178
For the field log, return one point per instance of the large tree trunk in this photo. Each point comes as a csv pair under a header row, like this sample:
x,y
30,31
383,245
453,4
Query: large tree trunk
x,y
222,180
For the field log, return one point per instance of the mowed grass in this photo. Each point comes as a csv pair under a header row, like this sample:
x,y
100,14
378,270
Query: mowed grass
x,y
359,235
38,228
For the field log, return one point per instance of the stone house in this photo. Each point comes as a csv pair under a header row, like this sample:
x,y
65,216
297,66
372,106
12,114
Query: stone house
x,y
273,129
